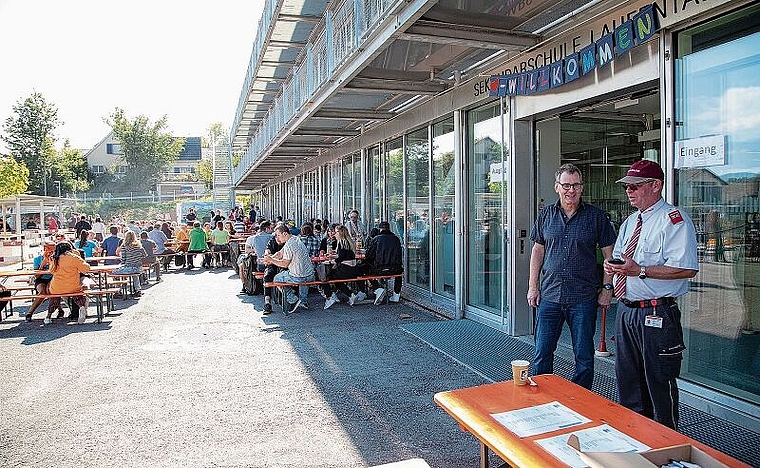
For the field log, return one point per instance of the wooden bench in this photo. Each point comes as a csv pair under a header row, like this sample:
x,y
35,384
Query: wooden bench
x,y
124,280
280,284
165,260
103,299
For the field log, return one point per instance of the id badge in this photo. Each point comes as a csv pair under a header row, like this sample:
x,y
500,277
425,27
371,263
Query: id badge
x,y
653,321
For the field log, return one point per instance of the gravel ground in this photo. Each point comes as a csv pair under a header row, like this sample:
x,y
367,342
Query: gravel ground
x,y
192,374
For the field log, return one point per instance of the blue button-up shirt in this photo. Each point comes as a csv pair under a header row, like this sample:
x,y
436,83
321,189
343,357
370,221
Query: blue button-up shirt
x,y
569,271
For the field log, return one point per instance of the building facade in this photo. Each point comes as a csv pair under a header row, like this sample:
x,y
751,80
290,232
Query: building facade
x,y
106,155
461,174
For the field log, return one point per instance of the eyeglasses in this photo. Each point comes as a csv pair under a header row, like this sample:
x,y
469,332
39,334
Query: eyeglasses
x,y
634,187
567,187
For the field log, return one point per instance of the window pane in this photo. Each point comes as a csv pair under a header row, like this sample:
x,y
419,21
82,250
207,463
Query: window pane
x,y
394,179
418,197
444,140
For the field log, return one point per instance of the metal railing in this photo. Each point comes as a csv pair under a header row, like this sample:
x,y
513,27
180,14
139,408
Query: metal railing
x,y
341,32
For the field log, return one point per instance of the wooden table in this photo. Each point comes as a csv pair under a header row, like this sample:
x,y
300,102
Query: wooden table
x,y
472,408
103,258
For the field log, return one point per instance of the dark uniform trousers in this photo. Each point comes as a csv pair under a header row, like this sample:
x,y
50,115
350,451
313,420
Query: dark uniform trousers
x,y
649,360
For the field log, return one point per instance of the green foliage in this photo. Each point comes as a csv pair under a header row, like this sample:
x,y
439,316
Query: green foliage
x,y
148,149
236,158
69,167
29,137
216,135
205,172
14,177
130,210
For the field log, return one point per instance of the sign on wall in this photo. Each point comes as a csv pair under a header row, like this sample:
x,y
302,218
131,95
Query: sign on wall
x,y
634,32
700,152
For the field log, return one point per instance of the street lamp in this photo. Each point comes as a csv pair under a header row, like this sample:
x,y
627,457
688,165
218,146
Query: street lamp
x,y
57,183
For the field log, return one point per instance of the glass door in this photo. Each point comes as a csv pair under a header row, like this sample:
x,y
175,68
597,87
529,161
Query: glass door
x,y
486,192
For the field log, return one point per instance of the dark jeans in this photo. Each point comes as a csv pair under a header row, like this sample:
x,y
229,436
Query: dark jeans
x,y
386,271
269,272
206,257
581,319
343,272
648,361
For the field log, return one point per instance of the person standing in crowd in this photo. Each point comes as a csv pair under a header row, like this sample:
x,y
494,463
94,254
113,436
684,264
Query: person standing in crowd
x,y
133,256
52,224
295,258
81,225
566,235
99,229
254,214
658,248
111,244
355,228
191,217
66,269
384,257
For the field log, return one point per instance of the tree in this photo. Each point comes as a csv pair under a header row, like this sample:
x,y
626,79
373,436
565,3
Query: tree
x,y
14,177
70,169
148,150
216,135
205,172
29,137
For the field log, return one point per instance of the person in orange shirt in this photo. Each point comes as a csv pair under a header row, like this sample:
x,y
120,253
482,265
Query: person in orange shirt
x,y
66,268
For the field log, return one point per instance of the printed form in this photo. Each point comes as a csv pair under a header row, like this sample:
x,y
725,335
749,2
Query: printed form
x,y
540,419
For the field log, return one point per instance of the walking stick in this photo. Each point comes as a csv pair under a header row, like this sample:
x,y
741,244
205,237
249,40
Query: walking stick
x,y
602,351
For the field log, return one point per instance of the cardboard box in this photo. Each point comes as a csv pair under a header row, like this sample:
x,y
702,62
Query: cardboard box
x,y
650,459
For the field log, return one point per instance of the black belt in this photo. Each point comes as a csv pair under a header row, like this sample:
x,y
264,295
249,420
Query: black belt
x,y
643,304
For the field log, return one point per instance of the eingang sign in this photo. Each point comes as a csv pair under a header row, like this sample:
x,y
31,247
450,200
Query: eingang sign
x,y
639,29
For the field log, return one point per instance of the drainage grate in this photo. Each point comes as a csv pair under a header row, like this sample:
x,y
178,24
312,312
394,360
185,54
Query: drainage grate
x,y
488,352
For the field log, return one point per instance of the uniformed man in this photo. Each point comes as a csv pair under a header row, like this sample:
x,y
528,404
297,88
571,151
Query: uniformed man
x,y
656,254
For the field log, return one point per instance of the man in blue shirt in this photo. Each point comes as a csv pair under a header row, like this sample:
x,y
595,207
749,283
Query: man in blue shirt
x,y
110,244
566,236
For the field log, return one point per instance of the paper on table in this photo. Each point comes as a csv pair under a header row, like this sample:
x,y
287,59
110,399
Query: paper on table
x,y
540,419
594,439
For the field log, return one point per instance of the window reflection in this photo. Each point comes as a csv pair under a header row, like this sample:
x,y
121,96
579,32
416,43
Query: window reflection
x,y
718,92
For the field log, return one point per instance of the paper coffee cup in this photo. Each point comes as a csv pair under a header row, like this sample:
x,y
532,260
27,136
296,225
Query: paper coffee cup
x,y
520,369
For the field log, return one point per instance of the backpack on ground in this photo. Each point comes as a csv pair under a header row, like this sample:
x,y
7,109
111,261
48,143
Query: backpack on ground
x,y
252,286
179,259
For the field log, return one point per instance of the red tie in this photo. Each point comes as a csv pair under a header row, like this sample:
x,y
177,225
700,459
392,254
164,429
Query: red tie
x,y
632,242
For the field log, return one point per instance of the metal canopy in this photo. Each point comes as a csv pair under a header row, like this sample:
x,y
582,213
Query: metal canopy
x,y
424,56
24,204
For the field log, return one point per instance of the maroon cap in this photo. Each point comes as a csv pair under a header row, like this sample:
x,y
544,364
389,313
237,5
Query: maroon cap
x,y
643,171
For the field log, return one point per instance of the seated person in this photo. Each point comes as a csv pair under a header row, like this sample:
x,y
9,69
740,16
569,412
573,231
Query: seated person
x,y
345,268
132,258
41,282
197,245
67,268
384,257
111,245
86,244
220,239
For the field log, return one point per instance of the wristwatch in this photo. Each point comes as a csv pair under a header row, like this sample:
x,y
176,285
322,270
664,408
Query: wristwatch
x,y
643,273
608,286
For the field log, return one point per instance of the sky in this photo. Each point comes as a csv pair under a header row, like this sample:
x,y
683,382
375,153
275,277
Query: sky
x,y
183,59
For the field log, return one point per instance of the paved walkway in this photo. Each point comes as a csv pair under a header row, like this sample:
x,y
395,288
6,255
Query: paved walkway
x,y
193,375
